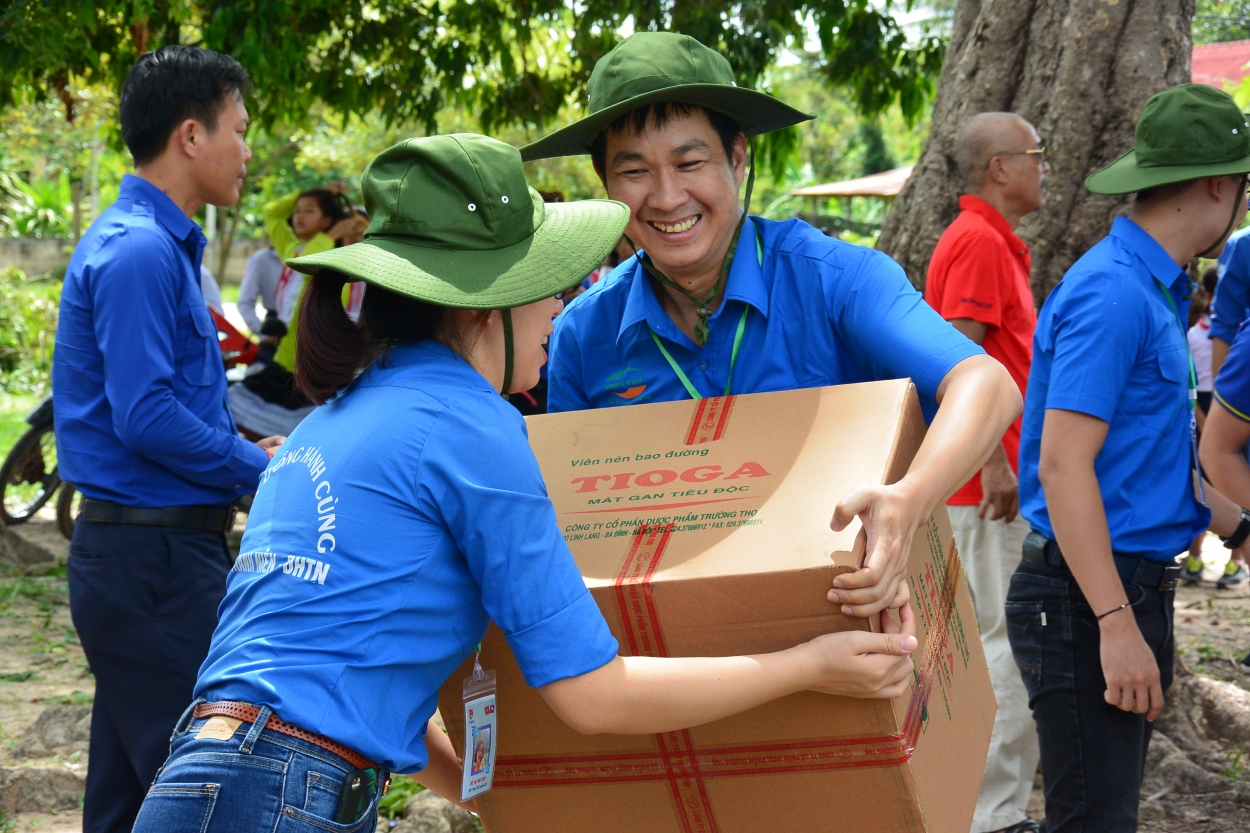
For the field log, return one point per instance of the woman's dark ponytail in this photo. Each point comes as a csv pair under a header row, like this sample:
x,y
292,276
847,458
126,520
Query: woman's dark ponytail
x,y
330,349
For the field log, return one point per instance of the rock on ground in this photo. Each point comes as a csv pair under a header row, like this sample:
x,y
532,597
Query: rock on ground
x,y
428,813
41,789
1208,722
60,729
1168,770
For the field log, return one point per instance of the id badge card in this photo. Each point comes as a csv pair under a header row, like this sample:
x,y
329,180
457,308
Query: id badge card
x,y
480,733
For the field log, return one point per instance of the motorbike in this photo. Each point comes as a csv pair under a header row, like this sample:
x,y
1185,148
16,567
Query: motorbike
x,y
28,475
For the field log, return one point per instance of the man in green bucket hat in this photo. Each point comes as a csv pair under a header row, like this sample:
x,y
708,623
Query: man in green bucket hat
x,y
1108,459
718,302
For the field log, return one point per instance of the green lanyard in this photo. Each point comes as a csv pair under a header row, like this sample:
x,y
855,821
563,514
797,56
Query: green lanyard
x,y
1193,369
1193,390
733,356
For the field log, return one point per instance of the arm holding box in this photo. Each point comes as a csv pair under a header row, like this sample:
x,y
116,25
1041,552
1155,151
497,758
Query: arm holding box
x,y
969,398
977,400
644,695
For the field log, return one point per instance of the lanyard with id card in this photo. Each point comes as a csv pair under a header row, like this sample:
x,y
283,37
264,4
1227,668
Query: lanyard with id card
x,y
480,726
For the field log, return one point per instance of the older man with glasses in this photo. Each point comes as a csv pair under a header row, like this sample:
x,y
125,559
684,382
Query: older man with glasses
x,y
979,281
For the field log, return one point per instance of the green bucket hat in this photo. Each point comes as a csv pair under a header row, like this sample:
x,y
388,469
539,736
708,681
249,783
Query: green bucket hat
x,y
453,222
653,67
1186,132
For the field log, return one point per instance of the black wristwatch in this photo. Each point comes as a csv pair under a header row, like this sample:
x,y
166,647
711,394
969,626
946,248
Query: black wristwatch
x,y
1241,534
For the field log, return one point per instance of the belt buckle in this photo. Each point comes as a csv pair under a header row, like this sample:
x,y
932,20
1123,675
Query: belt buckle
x,y
1171,577
1034,548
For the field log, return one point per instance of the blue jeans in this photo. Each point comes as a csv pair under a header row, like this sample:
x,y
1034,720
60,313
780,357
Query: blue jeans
x,y
255,781
1093,753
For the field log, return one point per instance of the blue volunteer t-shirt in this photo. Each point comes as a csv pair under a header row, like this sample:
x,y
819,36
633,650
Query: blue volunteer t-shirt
x,y
1232,386
393,525
819,312
1109,344
1231,303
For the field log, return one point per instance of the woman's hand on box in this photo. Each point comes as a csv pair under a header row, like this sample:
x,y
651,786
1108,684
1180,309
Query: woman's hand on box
x,y
862,664
890,515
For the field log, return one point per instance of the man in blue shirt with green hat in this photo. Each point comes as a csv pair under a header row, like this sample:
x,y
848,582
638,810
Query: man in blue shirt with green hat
x,y
1107,461
717,302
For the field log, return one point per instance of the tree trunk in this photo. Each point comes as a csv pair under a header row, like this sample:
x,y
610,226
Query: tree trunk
x,y
1080,71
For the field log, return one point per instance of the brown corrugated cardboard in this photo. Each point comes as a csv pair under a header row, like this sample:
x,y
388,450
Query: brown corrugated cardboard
x,y
702,529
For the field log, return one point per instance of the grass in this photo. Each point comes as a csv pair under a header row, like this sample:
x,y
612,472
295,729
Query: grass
x,y
13,411
391,805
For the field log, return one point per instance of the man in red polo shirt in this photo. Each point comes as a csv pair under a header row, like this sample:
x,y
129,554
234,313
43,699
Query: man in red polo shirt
x,y
979,281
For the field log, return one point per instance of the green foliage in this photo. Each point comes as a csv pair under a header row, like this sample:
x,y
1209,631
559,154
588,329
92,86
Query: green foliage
x,y
13,411
391,805
19,676
46,161
1216,21
40,208
74,698
28,314
839,143
876,155
1235,769
511,62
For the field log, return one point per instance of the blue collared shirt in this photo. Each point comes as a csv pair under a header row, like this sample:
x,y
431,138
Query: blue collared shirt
x,y
1109,344
396,522
821,312
138,384
1231,303
1232,386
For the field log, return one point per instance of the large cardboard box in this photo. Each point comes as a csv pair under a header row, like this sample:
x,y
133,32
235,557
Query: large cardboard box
x,y
702,529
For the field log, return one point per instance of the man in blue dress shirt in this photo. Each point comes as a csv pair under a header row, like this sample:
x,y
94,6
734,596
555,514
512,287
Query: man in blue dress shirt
x,y
720,302
1225,442
1231,304
142,425
1107,461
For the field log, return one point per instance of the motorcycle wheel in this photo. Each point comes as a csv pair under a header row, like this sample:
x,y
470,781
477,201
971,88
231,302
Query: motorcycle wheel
x,y
68,501
28,476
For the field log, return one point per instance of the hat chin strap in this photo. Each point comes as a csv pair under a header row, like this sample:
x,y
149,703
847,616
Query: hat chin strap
x,y
1232,221
508,352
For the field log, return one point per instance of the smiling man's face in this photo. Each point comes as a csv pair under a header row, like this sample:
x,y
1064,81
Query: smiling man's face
x,y
681,189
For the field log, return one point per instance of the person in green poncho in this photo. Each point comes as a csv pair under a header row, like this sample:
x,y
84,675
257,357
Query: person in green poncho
x,y
299,224
305,223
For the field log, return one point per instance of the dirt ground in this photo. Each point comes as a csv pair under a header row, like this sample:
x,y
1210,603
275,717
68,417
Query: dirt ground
x,y
41,662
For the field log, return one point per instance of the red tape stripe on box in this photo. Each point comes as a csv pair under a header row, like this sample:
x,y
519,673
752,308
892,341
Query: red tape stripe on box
x,y
711,416
677,761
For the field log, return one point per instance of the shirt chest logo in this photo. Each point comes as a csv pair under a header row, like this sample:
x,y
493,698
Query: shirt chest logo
x,y
627,384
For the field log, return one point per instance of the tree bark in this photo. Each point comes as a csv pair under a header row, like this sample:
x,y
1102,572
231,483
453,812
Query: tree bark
x,y
1080,71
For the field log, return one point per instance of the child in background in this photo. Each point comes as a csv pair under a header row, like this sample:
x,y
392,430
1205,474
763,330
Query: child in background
x,y
301,223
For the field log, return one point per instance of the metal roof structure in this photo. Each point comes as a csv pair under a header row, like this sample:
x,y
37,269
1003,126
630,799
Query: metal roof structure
x,y
1218,64
885,185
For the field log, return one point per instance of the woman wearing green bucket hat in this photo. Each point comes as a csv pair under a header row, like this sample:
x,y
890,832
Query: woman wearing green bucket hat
x,y
408,511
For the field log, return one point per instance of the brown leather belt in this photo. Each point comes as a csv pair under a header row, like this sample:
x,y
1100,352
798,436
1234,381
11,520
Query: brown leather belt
x,y
248,714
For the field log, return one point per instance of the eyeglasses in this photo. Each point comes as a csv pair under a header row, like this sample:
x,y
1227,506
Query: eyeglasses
x,y
1040,153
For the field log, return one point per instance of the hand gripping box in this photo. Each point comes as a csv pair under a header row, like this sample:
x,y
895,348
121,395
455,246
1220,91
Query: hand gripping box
x,y
702,529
